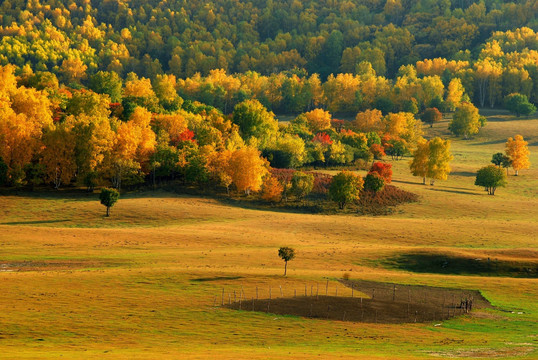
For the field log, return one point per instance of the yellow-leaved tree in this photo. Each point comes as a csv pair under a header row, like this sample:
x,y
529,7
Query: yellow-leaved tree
x,y
439,159
454,94
247,169
419,164
369,120
93,141
134,144
518,152
218,166
58,155
25,113
318,120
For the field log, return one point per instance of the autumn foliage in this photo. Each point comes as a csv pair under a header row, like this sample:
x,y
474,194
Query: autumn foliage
x,y
382,169
518,153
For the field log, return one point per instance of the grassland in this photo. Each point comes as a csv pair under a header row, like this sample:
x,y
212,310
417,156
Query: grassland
x,y
143,284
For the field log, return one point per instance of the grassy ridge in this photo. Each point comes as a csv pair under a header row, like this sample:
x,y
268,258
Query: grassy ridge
x,y
77,284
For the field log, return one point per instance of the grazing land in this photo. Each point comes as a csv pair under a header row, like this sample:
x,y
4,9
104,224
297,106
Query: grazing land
x,y
147,282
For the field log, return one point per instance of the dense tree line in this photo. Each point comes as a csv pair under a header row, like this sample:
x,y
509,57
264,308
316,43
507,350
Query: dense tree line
x,y
488,45
62,135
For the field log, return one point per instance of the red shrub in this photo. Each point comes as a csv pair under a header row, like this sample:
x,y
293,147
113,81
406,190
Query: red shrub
x,y
323,138
382,169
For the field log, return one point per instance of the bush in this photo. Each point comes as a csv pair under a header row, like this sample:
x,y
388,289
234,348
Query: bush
x,y
302,184
374,182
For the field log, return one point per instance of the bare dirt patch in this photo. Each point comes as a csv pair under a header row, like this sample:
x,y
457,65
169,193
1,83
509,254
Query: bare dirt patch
x,y
374,302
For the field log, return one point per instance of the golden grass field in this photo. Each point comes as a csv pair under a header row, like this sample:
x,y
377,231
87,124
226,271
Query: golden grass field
x,y
143,283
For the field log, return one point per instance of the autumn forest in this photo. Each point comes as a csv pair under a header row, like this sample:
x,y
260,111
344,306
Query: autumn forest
x,y
365,142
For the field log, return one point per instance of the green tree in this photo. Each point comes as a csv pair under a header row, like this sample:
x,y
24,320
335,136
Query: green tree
x,y
345,188
500,159
465,121
519,104
254,120
108,198
286,254
107,82
490,177
302,184
374,182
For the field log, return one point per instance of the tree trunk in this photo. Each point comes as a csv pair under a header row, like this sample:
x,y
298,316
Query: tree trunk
x,y
424,180
285,267
108,211
517,172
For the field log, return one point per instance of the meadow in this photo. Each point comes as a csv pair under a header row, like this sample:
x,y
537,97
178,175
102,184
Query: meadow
x,y
147,282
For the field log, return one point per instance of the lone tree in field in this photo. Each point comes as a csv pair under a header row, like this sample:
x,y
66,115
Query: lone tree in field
x,y
108,198
465,121
439,158
286,254
345,188
490,177
518,152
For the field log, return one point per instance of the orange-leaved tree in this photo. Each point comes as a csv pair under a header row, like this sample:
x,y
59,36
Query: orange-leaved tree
x,y
272,189
518,152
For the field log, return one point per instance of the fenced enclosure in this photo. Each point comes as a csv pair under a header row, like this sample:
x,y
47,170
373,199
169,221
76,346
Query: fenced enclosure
x,y
357,301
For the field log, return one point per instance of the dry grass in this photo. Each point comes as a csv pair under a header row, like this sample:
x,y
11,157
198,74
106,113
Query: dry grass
x,y
128,287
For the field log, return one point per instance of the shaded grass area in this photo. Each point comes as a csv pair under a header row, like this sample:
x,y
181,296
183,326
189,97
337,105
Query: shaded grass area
x,y
451,264
385,304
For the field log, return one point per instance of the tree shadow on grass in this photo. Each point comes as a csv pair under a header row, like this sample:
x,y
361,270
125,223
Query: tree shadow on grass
x,y
408,182
491,142
464,173
48,194
35,222
454,265
469,192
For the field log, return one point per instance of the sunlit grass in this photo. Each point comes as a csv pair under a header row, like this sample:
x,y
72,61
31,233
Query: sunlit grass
x,y
78,285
